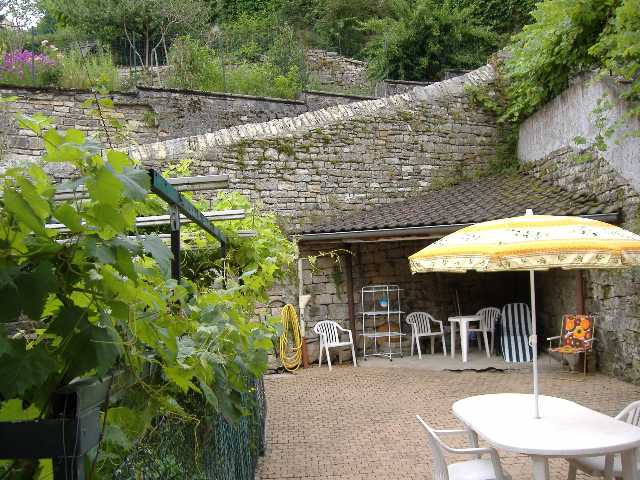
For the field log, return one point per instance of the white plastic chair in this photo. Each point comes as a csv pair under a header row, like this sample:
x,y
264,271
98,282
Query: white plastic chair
x,y
422,325
490,315
476,469
609,466
329,333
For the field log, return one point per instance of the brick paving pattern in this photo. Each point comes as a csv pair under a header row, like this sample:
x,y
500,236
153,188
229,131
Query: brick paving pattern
x,y
359,423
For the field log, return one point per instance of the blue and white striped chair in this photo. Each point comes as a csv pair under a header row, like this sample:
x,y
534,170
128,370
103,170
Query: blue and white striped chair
x,y
516,330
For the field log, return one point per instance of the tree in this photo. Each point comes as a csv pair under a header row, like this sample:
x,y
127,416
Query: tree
x,y
504,16
16,17
421,38
339,23
153,21
569,37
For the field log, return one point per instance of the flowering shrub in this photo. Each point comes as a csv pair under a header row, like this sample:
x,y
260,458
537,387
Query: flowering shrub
x,y
16,68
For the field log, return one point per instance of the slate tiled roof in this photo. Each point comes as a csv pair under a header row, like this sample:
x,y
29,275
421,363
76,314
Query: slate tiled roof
x,y
473,201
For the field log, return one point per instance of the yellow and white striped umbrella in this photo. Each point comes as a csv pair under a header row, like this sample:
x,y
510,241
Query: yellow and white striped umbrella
x,y
531,242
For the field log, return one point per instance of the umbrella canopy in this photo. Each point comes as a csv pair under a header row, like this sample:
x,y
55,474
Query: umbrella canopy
x,y
531,242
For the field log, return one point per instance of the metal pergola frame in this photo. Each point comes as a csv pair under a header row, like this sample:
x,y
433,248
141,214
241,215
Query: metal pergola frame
x,y
177,205
74,428
181,210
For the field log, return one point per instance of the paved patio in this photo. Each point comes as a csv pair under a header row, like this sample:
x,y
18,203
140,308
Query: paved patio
x,y
359,423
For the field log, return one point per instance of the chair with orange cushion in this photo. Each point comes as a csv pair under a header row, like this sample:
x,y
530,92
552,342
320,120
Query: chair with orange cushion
x,y
576,337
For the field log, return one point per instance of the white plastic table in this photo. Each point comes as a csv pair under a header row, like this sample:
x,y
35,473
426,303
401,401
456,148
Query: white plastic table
x,y
565,429
464,321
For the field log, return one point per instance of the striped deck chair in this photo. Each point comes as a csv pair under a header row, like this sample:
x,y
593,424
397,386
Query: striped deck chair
x,y
516,329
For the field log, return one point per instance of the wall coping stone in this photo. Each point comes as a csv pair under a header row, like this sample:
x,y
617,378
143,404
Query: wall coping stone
x,y
409,82
218,94
134,93
187,146
340,95
69,91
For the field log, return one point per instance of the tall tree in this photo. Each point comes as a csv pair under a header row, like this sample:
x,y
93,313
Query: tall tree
x,y
421,38
152,21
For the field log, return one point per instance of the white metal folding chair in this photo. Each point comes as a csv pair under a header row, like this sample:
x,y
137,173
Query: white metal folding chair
x,y
476,469
422,325
609,466
490,315
329,333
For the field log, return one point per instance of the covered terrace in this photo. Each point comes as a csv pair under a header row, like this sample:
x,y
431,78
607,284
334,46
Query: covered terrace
x,y
371,247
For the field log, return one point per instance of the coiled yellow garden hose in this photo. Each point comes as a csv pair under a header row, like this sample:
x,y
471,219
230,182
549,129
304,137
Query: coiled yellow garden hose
x,y
290,347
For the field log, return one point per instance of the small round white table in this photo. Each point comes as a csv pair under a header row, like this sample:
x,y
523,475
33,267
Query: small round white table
x,y
565,429
464,321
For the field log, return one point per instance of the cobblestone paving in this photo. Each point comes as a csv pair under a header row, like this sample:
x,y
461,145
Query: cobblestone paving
x,y
359,423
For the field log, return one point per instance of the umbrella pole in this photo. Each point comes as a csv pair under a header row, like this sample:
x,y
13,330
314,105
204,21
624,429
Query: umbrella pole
x,y
534,343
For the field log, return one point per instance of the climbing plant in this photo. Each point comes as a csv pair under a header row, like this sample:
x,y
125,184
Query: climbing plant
x,y
97,300
568,37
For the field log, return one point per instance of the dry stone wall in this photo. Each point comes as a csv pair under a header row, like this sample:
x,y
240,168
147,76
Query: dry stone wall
x,y
346,157
316,100
335,70
386,88
149,115
612,177
572,114
612,295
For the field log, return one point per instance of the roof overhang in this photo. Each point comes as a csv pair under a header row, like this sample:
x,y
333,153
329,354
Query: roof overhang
x,y
410,233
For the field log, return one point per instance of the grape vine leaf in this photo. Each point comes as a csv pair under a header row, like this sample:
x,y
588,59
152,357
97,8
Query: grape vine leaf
x,y
154,245
66,214
135,183
90,347
12,410
28,293
16,204
105,187
14,363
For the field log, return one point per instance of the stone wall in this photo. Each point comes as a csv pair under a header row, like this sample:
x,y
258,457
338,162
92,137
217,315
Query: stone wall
x,y
346,157
548,150
148,114
335,70
386,88
316,100
612,295
386,263
571,115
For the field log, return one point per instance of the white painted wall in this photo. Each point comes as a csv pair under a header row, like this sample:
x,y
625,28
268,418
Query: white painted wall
x,y
569,115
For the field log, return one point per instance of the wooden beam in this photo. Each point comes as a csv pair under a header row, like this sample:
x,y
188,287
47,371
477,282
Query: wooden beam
x,y
348,270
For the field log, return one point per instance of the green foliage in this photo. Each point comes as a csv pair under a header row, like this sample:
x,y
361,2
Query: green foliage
x,y
619,48
71,69
112,21
96,299
569,37
195,66
493,99
86,71
419,39
505,17
63,38
232,9
339,23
